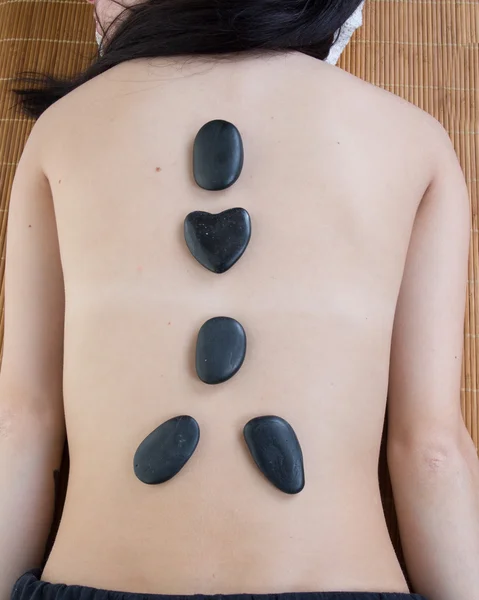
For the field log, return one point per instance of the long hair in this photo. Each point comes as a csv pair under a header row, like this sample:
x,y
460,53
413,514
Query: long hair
x,y
167,28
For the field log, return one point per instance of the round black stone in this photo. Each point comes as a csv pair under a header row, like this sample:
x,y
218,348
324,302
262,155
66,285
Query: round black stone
x,y
218,241
276,450
166,450
217,155
220,349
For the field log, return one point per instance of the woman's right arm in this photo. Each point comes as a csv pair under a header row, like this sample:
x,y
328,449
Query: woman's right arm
x,y
432,459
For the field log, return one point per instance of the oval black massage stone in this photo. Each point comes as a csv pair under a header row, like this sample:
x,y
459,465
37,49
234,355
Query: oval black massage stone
x,y
276,451
218,241
217,155
166,450
220,349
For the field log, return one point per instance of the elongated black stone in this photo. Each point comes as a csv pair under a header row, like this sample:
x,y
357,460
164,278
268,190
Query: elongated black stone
x,y
276,450
166,450
220,349
217,155
218,241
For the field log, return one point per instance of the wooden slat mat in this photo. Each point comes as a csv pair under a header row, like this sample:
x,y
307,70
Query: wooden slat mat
x,y
426,51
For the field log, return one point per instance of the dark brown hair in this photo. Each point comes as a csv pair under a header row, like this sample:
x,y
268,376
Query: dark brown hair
x,y
166,28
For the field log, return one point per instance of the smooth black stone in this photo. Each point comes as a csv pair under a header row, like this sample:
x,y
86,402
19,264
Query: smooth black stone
x,y
220,349
166,450
218,241
276,450
217,155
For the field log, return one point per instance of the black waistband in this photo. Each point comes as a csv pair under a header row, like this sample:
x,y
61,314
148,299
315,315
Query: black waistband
x,y
29,587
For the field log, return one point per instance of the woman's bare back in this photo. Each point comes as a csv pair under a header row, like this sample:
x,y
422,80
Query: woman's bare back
x,y
332,179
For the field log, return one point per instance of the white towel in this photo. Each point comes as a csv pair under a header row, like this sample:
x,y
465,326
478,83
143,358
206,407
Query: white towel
x,y
354,22
99,38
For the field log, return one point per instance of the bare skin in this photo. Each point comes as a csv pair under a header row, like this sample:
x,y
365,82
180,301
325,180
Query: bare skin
x,y
334,172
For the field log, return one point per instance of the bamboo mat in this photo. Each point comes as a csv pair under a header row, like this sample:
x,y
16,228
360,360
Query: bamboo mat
x,y
426,51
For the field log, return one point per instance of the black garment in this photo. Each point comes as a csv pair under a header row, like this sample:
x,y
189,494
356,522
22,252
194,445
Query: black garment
x,y
29,587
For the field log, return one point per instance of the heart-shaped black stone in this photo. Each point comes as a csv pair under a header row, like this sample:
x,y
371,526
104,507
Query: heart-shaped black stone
x,y
218,241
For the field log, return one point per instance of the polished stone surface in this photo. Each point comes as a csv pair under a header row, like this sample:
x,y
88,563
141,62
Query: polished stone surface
x,y
166,450
218,155
218,241
276,451
220,349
